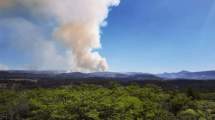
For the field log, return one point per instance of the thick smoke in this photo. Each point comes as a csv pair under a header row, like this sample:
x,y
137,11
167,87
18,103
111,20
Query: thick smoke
x,y
78,24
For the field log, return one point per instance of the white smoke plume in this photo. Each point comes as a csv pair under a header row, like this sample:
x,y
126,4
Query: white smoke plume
x,y
29,40
3,67
78,26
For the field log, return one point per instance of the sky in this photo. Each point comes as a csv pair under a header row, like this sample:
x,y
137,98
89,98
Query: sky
x,y
150,36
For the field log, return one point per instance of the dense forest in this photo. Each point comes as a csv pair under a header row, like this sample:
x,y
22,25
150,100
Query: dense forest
x,y
112,102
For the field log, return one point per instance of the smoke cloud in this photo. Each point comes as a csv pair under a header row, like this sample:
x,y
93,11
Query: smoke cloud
x,y
77,25
28,39
3,67
5,3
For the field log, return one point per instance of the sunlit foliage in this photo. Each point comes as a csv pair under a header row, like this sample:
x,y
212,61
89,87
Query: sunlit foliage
x,y
94,102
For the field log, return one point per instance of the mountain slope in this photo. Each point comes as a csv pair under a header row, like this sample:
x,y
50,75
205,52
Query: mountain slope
x,y
5,75
202,75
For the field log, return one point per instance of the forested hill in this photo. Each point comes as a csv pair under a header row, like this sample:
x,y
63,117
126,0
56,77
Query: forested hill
x,y
39,75
94,102
47,79
65,96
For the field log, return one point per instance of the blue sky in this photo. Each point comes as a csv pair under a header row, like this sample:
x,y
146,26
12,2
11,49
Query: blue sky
x,y
147,36
161,35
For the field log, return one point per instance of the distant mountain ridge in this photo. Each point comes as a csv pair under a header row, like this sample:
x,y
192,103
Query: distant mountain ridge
x,y
75,75
201,75
62,75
